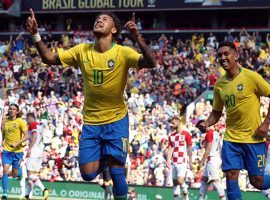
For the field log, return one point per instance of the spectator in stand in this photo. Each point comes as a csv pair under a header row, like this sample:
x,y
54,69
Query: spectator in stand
x,y
229,37
211,40
243,35
155,24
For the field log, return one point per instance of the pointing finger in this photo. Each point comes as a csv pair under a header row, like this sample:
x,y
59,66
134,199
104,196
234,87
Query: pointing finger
x,y
32,13
133,17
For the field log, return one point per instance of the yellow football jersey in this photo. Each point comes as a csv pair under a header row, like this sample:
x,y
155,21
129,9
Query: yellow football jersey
x,y
104,76
13,133
241,98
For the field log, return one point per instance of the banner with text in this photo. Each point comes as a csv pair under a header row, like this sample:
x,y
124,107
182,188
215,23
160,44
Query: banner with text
x,y
66,190
97,5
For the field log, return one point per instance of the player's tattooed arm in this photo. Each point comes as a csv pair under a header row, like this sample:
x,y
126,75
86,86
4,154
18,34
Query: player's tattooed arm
x,y
148,59
46,54
214,117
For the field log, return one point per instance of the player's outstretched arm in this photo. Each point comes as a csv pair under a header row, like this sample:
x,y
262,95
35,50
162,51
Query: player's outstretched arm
x,y
46,54
147,60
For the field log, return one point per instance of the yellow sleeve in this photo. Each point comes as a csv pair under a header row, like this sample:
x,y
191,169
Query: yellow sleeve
x,y
262,86
23,125
71,57
132,57
217,102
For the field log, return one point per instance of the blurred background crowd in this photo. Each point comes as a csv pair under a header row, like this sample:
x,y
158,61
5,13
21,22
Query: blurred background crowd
x,y
186,68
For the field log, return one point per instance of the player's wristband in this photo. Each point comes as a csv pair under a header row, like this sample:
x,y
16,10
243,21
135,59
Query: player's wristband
x,y
36,37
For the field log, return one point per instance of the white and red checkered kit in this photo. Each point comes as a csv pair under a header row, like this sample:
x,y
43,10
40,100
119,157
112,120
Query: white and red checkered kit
x,y
179,141
214,138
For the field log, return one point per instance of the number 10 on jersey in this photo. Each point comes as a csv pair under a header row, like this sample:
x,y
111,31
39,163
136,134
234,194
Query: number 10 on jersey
x,y
98,77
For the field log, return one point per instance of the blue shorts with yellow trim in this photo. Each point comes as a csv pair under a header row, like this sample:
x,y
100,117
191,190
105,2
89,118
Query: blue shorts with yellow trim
x,y
100,141
12,158
244,156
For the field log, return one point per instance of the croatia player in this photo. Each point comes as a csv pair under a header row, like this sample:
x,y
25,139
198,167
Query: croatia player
x,y
179,154
213,163
267,166
34,156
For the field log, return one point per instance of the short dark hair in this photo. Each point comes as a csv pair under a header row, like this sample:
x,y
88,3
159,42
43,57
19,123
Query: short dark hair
x,y
116,22
175,117
227,44
31,115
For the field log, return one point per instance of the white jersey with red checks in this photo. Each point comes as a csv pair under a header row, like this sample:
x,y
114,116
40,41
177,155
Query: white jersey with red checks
x,y
179,141
214,138
37,149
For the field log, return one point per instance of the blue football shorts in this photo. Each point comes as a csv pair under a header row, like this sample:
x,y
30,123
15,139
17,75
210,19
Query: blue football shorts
x,y
244,156
100,141
12,158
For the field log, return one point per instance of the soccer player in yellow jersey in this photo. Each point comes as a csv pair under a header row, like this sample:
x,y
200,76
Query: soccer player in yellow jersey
x,y
15,132
104,65
244,147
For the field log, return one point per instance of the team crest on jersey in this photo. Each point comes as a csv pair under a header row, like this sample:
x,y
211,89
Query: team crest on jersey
x,y
111,64
14,125
240,87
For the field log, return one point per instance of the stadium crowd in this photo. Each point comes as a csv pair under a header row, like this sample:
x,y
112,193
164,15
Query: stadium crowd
x,y
186,68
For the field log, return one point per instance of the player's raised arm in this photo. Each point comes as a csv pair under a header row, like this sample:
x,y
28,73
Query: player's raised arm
x,y
147,60
46,54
